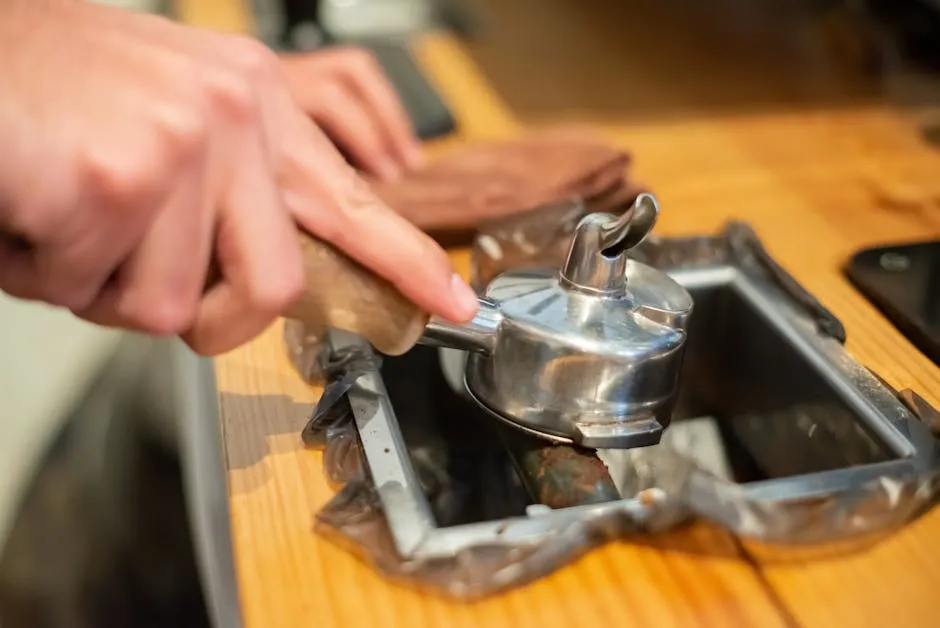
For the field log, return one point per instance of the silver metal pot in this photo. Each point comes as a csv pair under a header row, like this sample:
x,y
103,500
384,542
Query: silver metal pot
x,y
589,354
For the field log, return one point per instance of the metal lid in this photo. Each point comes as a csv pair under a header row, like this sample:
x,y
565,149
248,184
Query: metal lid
x,y
589,353
599,296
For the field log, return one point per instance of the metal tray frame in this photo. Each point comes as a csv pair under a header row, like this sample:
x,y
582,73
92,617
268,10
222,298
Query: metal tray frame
x,y
413,527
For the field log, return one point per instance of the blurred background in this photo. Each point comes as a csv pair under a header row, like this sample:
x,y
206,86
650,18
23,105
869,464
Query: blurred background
x,y
94,529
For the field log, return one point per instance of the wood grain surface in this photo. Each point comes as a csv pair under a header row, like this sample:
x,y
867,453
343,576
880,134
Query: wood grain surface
x,y
732,108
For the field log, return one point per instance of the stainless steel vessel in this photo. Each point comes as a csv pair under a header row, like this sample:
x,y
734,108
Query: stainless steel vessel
x,y
588,354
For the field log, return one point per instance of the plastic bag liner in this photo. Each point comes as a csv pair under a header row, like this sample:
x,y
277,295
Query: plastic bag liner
x,y
661,487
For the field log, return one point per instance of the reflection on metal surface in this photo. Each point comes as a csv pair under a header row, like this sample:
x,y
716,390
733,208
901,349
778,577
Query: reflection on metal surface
x,y
586,351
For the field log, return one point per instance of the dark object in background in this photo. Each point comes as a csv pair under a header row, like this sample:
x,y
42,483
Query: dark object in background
x,y
429,114
931,133
914,25
299,11
903,281
102,537
457,15
63,567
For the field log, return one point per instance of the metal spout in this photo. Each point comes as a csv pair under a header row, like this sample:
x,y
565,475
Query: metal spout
x,y
478,336
597,257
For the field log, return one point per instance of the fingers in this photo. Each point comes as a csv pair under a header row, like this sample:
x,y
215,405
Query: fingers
x,y
354,127
406,256
360,76
367,80
332,202
329,200
227,205
72,260
258,253
157,290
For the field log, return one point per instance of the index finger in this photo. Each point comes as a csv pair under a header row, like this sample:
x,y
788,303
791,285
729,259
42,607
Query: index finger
x,y
329,199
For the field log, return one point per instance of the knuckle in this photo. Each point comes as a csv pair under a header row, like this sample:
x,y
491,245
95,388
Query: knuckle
x,y
252,56
231,93
182,128
75,298
273,296
331,93
359,59
359,201
168,317
201,341
122,178
38,218
200,346
334,228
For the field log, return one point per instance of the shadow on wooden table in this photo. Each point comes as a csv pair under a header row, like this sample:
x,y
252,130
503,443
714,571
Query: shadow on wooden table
x,y
267,425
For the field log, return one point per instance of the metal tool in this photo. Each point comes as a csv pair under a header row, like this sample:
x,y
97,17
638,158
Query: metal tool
x,y
588,354
858,459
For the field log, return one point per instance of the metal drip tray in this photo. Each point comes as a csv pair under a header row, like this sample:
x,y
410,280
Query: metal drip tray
x,y
789,419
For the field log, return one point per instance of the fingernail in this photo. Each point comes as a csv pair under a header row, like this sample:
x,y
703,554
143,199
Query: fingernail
x,y
464,296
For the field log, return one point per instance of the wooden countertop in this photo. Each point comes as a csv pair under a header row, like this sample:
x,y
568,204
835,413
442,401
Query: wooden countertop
x,y
821,168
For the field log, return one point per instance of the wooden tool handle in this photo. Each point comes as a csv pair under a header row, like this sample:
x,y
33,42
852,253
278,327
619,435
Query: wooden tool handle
x,y
343,294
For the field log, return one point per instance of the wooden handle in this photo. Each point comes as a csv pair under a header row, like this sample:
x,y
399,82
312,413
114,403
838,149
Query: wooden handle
x,y
343,294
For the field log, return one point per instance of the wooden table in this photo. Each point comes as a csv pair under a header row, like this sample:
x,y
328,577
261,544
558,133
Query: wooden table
x,y
820,169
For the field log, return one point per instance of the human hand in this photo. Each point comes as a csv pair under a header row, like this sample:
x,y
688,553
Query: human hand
x,y
136,150
345,91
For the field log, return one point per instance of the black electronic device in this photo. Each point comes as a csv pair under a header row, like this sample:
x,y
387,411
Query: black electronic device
x,y
903,281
